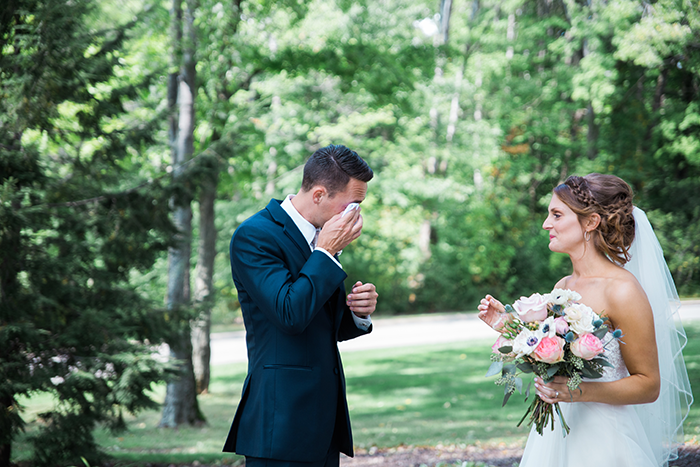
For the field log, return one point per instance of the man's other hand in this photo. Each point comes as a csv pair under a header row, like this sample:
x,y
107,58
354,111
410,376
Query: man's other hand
x,y
362,300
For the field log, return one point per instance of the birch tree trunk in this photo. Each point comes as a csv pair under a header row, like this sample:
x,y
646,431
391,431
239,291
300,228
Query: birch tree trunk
x,y
180,404
203,285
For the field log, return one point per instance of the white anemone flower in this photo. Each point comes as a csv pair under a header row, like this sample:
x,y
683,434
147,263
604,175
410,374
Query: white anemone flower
x,y
563,296
548,328
526,342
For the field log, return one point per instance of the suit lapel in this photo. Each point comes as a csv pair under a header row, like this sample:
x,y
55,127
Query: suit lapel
x,y
290,229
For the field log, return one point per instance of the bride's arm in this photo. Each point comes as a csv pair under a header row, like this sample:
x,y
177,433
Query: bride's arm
x,y
631,313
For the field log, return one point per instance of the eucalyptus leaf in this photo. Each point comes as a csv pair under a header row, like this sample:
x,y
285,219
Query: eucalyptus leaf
x,y
586,372
519,385
552,370
494,369
601,332
506,397
602,362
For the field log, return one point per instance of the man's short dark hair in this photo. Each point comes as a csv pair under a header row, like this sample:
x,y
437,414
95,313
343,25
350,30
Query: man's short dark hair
x,y
332,167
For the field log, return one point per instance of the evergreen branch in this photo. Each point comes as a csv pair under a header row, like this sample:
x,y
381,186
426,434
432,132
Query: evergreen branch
x,y
96,199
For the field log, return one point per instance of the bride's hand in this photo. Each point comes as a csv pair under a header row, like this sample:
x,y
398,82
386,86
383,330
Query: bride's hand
x,y
492,312
554,391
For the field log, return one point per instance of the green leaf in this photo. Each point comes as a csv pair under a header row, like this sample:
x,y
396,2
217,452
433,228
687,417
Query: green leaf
x,y
494,369
519,385
601,332
509,368
587,372
602,362
527,390
506,396
552,370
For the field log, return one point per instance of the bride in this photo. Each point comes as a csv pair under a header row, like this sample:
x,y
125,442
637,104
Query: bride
x,y
633,415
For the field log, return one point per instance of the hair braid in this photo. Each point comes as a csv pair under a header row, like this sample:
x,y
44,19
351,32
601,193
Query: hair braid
x,y
581,191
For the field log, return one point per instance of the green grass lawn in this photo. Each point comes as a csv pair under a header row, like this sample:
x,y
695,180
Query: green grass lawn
x,y
427,396
419,396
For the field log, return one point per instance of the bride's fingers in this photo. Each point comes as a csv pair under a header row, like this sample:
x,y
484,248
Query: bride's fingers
x,y
547,392
550,396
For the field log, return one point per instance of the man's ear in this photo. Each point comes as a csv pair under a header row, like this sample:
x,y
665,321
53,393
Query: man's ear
x,y
318,193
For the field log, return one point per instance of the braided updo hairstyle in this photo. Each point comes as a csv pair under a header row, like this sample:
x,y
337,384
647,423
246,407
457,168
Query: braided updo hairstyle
x,y
611,198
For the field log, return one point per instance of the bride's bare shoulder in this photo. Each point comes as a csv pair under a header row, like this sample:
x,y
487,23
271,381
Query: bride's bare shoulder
x,y
623,291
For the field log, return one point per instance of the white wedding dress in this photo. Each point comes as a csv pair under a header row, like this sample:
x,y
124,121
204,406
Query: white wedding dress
x,y
601,435
645,435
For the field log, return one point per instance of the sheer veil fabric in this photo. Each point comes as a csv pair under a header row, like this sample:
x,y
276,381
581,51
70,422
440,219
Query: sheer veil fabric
x,y
663,419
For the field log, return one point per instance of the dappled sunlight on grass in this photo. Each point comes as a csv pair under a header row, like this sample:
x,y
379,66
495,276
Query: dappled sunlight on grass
x,y
421,396
428,395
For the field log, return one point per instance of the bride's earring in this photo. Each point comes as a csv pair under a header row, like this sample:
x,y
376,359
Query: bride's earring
x,y
587,235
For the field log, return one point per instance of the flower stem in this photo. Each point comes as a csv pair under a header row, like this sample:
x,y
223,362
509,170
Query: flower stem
x,y
542,414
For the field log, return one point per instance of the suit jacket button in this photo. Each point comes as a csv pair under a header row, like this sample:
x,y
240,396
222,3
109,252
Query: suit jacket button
x,y
336,371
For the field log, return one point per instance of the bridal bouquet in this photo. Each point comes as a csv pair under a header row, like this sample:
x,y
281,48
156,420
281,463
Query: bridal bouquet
x,y
549,335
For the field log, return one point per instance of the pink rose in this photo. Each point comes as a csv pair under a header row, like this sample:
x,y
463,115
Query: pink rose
x,y
562,326
532,308
587,347
550,350
501,342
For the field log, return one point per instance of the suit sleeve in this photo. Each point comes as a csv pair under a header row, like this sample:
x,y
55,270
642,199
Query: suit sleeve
x,y
348,329
257,263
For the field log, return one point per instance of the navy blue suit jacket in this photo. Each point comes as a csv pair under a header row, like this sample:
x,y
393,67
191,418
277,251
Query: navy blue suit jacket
x,y
294,310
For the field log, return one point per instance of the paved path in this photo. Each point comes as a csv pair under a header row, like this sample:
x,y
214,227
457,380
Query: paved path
x,y
229,347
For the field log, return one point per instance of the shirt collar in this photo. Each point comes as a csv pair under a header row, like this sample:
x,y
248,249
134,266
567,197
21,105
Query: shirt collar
x,y
306,228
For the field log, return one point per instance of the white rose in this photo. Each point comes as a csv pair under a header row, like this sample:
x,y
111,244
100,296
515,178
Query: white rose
x,y
580,318
526,342
532,308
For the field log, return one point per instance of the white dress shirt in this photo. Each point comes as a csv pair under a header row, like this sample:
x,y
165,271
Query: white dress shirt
x,y
308,230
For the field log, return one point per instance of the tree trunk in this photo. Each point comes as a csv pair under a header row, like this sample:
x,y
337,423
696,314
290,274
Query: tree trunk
x,y
203,285
180,404
445,13
181,397
454,105
656,104
592,135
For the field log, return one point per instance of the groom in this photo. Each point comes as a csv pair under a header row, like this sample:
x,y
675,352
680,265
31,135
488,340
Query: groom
x,y
284,261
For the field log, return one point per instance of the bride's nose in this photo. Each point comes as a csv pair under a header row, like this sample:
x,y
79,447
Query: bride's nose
x,y
546,225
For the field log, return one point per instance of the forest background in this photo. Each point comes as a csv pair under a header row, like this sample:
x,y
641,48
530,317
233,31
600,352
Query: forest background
x,y
135,136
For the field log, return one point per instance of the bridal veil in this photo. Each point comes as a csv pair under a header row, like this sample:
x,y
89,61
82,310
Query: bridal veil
x,y
663,419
